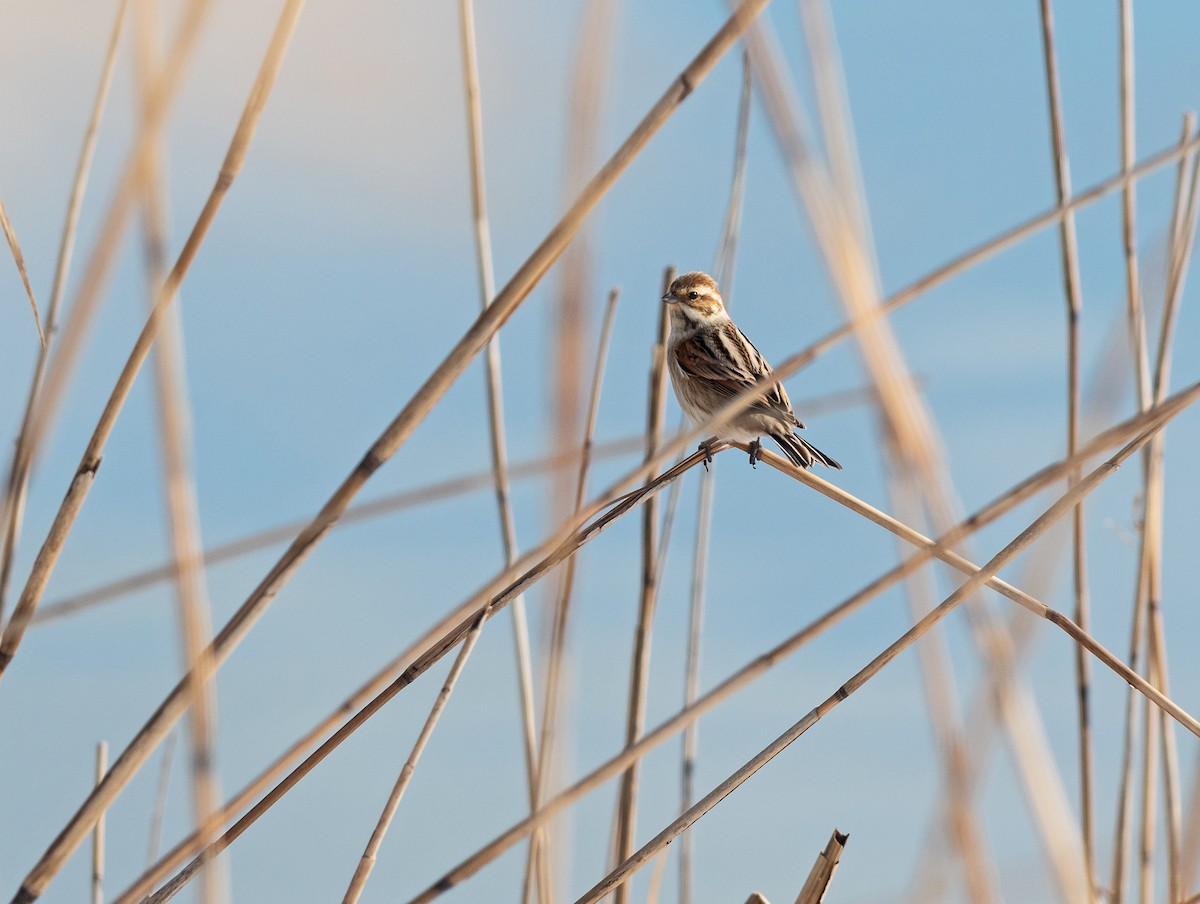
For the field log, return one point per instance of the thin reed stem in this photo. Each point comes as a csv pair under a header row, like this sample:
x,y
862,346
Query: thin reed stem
x,y
495,396
1069,253
556,654
98,831
359,880
18,477
639,678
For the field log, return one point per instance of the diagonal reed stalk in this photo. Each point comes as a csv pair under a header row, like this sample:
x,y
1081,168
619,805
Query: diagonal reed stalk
x,y
367,862
179,488
392,438
928,548
364,511
18,476
822,870
620,875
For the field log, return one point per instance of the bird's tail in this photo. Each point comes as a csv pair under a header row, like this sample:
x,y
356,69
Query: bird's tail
x,y
801,452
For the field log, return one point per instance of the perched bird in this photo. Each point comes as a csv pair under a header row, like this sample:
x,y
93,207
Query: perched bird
x,y
711,360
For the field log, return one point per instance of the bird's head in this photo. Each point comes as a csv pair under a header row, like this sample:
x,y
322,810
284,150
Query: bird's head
x,y
694,297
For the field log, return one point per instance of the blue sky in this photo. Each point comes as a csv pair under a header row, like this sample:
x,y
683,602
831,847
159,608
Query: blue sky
x,y
339,272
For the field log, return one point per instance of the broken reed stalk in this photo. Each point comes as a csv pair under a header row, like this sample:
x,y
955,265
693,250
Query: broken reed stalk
x,y
98,831
558,623
639,678
940,549
126,765
18,476
421,655
19,259
494,390
367,863
1060,507
179,488
1069,253
385,446
365,511
823,869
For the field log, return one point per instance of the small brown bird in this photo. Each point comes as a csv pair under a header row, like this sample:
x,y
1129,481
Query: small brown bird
x,y
711,360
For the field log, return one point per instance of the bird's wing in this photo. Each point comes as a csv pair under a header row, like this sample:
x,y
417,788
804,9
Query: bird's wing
x,y
728,362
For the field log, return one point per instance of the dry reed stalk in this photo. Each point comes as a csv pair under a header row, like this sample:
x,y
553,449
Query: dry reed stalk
x,y
556,653
495,393
19,259
18,477
834,203
639,678
367,863
1069,252
822,870
1060,507
179,489
421,655
385,446
364,511
160,800
570,326
128,192
1134,307
656,877
131,759
98,831
938,686
723,269
927,549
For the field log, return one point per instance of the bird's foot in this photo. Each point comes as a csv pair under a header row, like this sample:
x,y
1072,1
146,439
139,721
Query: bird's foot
x,y
707,448
755,453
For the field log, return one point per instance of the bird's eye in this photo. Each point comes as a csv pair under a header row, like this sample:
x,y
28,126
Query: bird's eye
x,y
693,295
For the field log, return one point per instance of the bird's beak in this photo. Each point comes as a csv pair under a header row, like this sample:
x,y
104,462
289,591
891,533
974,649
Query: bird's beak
x,y
669,298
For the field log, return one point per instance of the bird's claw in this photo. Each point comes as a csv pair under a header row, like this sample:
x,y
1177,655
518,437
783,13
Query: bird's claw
x,y
706,448
755,453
